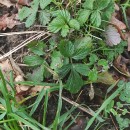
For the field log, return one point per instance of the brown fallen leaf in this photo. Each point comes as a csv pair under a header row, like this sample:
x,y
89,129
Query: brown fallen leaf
x,y
117,7
20,88
24,2
129,43
112,35
6,3
121,64
6,66
127,37
80,124
119,24
36,89
8,22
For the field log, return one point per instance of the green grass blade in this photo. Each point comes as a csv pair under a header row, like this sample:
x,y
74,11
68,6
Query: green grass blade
x,y
55,124
106,102
6,127
18,118
38,100
45,108
5,92
24,115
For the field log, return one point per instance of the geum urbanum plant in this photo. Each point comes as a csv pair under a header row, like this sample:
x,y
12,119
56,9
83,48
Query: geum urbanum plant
x,y
76,51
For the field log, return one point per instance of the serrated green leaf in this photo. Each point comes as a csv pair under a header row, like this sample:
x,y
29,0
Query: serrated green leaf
x,y
66,48
88,4
96,18
24,13
81,53
56,60
64,70
83,69
44,17
37,47
64,30
60,22
33,60
119,105
44,3
74,82
104,63
102,4
74,24
37,75
30,20
34,5
93,58
83,16
84,42
56,25
107,13
65,15
93,75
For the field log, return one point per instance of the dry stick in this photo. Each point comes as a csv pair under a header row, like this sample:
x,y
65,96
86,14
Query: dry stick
x,y
17,33
113,122
30,38
77,105
15,66
22,45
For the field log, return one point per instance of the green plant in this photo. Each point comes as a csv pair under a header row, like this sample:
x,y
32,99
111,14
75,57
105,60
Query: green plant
x,y
97,10
119,110
11,112
31,12
64,62
75,56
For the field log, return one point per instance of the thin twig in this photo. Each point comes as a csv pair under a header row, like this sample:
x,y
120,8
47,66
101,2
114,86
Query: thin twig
x,y
77,105
113,122
19,33
24,44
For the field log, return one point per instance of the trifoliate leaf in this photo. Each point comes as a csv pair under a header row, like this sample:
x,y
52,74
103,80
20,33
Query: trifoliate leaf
x,y
33,60
64,30
66,48
44,3
83,16
56,60
60,22
74,24
74,82
44,17
83,69
88,4
30,20
96,18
